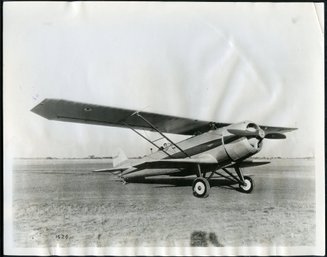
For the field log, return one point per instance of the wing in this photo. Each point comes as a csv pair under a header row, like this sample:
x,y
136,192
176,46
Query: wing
x,y
69,111
63,110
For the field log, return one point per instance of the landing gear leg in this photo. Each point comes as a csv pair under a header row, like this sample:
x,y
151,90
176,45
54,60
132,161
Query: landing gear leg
x,y
246,184
201,186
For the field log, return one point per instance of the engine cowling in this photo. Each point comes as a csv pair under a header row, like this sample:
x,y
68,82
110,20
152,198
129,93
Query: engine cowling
x,y
242,147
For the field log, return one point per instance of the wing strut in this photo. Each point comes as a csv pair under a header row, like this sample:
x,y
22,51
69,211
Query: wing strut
x,y
149,123
152,142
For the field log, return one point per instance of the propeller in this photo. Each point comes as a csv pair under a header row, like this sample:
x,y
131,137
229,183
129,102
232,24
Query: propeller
x,y
275,135
256,133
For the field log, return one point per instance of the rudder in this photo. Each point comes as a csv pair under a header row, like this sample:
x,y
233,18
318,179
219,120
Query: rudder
x,y
119,158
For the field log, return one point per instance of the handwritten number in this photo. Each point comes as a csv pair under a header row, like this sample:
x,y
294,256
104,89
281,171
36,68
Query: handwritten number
x,y
62,236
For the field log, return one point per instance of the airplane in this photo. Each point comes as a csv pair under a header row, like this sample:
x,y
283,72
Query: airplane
x,y
212,148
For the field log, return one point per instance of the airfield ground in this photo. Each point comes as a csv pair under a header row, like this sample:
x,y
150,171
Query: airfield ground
x,y
61,202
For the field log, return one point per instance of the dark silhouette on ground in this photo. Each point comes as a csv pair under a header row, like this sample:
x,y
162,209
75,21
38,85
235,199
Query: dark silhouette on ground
x,y
162,182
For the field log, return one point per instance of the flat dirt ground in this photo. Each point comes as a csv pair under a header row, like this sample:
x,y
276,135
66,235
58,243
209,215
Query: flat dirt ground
x,y
62,203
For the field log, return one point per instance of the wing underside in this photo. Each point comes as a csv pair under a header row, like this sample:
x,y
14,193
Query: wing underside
x,y
70,111
63,110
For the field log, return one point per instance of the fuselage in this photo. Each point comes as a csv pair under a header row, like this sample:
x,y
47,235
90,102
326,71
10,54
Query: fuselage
x,y
219,143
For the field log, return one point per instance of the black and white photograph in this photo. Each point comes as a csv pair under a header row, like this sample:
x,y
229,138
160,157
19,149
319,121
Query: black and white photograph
x,y
163,128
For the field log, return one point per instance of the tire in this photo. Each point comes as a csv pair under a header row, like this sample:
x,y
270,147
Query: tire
x,y
201,187
248,187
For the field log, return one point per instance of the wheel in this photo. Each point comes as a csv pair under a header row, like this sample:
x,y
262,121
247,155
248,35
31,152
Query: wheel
x,y
201,187
248,187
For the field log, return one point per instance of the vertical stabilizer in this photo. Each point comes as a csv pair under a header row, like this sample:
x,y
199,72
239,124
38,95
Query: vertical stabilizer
x,y
119,158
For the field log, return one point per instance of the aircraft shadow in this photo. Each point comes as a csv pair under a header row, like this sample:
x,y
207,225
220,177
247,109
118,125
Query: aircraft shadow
x,y
186,182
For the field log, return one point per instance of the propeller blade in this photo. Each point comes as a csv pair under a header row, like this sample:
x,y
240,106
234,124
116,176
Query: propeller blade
x,y
275,136
257,133
243,133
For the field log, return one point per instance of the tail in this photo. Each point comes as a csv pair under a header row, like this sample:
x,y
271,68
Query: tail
x,y
119,158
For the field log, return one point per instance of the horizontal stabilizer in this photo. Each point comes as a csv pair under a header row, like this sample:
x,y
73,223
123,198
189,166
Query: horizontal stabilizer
x,y
111,170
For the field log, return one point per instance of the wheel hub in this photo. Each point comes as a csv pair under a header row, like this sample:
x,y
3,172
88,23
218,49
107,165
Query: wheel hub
x,y
199,188
246,185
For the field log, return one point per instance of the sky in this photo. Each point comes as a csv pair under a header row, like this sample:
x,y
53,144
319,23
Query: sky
x,y
223,62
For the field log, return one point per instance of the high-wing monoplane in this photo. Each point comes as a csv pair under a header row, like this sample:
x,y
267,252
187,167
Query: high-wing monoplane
x,y
212,148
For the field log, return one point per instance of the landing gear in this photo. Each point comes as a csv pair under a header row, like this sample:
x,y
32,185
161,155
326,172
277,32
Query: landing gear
x,y
247,185
201,187
245,182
